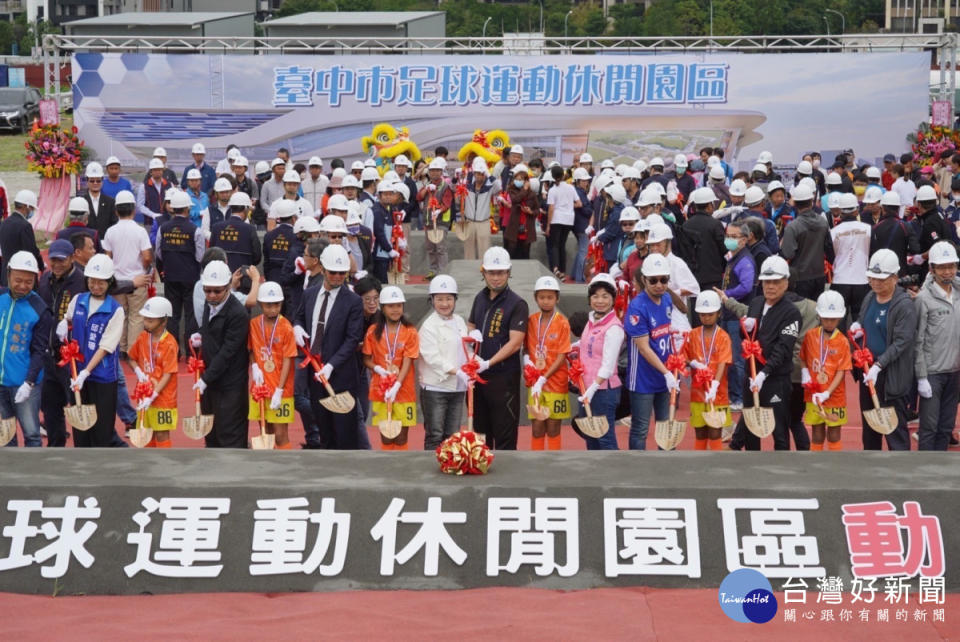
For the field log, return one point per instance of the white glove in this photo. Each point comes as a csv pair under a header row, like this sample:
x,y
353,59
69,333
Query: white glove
x,y
201,385
146,403
575,344
196,340
672,383
527,361
476,335
277,399
23,392
915,259
463,378
359,274
484,365
595,240
749,324
538,387
923,387
756,383
805,377
62,329
380,370
77,384
697,365
402,243
299,266
300,336
391,393
589,230
141,375
856,330
394,254
711,395
872,374
820,398
257,374
589,392
615,270
326,371
431,187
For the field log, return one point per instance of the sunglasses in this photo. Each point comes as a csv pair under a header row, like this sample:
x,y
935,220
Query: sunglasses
x,y
94,180
213,290
332,273
334,237
657,280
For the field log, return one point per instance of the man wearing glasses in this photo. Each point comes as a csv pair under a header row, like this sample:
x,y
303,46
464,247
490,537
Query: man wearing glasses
x,y
102,212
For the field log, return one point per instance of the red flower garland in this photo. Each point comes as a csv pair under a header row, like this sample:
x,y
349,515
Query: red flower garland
x,y
464,453
70,352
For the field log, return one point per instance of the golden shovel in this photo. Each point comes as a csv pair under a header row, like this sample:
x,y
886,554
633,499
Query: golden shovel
x,y
713,417
536,411
198,426
389,427
461,230
338,402
669,433
263,441
436,234
760,421
591,426
81,416
882,420
8,430
140,436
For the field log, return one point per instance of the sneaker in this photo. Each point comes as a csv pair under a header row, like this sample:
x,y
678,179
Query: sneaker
x,y
736,406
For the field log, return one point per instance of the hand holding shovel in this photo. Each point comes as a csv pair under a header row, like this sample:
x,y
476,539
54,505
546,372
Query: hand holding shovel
x,y
669,433
471,370
338,402
882,420
591,426
263,441
80,416
530,376
141,436
760,421
198,426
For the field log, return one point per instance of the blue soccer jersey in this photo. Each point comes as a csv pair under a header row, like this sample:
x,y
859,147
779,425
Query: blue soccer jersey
x,y
649,319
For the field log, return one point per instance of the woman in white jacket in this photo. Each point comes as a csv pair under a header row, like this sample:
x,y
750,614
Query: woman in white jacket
x,y
442,383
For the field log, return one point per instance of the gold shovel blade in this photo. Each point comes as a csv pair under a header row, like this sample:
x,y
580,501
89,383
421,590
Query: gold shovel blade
x,y
460,230
197,427
140,437
714,418
263,441
760,421
882,420
81,417
537,412
390,428
340,403
435,235
668,434
8,430
595,427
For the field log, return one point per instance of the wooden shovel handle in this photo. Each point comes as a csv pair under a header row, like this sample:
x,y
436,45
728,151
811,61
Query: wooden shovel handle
x,y
73,371
586,402
873,395
753,375
673,396
263,418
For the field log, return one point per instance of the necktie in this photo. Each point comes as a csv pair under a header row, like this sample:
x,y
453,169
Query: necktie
x,y
318,330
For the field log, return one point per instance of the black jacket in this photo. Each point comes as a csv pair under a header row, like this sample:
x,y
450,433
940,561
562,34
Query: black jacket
x,y
705,233
106,214
16,234
225,345
777,332
343,332
892,233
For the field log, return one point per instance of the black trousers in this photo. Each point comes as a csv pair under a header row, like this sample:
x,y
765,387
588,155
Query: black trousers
x,y
54,395
519,250
229,406
380,269
810,288
496,409
103,432
558,246
180,296
801,438
337,431
853,295
899,439
774,394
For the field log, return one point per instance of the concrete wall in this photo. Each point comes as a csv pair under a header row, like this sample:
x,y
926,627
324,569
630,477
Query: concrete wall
x,y
240,26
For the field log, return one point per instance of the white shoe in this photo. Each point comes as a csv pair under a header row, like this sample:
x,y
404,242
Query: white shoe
x,y
736,406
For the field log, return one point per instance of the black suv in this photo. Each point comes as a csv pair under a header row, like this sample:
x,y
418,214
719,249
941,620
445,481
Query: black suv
x,y
18,107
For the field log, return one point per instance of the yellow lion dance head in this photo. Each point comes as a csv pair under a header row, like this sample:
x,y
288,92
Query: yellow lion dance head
x,y
386,142
488,145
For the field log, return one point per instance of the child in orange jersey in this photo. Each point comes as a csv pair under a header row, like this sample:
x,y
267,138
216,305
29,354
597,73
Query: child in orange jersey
x,y
547,344
153,357
272,351
825,354
708,349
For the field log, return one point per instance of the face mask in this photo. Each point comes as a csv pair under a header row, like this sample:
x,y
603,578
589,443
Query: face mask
x,y
732,245
955,197
816,163
518,183
859,190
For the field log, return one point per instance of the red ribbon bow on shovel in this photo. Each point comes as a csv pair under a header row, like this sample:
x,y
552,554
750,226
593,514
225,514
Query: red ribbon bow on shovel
x,y
703,378
259,393
530,375
470,368
70,352
574,369
143,390
676,363
862,357
195,364
385,384
750,346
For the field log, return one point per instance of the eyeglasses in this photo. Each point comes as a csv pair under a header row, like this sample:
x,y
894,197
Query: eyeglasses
x,y
657,280
332,273
371,298
334,237
213,290
94,180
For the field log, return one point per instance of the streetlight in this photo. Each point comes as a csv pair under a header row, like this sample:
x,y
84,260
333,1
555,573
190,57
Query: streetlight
x,y
565,22
485,22
541,16
843,20
826,22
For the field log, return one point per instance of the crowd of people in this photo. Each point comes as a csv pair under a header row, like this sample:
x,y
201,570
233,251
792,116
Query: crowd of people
x,y
275,293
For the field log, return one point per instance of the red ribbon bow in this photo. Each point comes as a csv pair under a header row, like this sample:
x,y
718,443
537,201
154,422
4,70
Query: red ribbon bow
x,y
433,205
461,195
676,363
70,352
595,252
703,378
385,384
143,390
530,375
259,393
862,357
751,348
814,386
574,370
470,368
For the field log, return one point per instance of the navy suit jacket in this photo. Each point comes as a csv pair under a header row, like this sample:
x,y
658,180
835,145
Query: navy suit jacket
x,y
342,335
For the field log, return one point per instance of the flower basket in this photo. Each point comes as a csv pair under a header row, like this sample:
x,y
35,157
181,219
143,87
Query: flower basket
x,y
54,153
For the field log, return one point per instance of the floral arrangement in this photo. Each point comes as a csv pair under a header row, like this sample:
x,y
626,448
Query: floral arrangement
x,y
464,453
53,151
930,141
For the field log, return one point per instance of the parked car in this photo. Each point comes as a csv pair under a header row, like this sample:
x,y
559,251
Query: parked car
x,y
18,107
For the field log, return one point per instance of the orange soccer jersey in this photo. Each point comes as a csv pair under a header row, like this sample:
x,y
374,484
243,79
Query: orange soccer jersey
x,y
406,343
555,335
283,345
694,349
164,360
826,355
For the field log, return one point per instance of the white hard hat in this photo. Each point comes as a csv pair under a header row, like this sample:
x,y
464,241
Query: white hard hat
x,y
833,201
581,174
765,157
883,263
100,266
240,161
159,151
386,186
717,173
890,198
216,274
585,157
111,160
516,149
738,187
774,268
926,193
629,213
391,294
369,174
775,185
659,232
270,292
355,165
403,160
873,172
620,169
337,202
604,278
649,197
680,161
805,167
655,265
339,172
443,284
333,223
606,163
942,252
630,172
222,185
873,194
354,213
496,258
848,201
656,161
547,177
125,197
534,183
616,192
26,197
834,179
180,200
707,301
198,148
194,174
703,196
335,258
830,305
261,167
158,307
239,199
520,168
369,162
403,190
759,167
437,163
713,160
809,182
25,261
94,170
753,195
277,161
283,208
78,204
233,153
350,181
307,224
479,165
654,219
638,165
546,283
391,176
291,176
155,163
801,193
315,161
